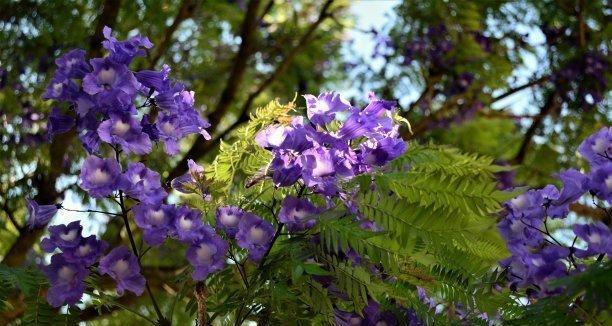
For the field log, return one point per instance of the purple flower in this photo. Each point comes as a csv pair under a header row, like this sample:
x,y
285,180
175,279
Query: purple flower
x,y
527,205
194,181
298,214
597,148
600,182
321,110
124,51
156,221
63,237
66,281
174,127
86,252
254,234
39,215
126,131
345,318
272,136
598,237
188,224
376,317
111,81
143,183
380,152
228,218
207,254
59,123
100,177
72,64
123,267
61,88
155,80
574,185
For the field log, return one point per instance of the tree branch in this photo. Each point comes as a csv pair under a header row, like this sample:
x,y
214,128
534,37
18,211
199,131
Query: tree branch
x,y
187,8
200,149
552,104
512,91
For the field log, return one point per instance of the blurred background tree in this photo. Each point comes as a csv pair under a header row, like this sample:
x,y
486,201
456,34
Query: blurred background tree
x,y
521,81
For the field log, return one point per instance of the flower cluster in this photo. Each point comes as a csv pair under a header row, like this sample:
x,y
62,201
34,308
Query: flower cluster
x,y
69,267
537,257
338,142
104,95
585,77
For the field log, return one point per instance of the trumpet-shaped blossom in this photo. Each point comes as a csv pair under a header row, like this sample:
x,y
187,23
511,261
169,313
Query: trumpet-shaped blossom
x,y
194,181
187,224
597,148
39,215
155,80
574,186
254,234
86,252
124,51
111,81
298,214
66,280
126,131
156,221
72,64
123,267
59,123
597,236
228,218
100,177
322,109
61,88
63,237
207,253
600,182
143,184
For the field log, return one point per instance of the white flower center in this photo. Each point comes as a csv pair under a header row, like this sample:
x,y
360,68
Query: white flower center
x,y
66,273
277,136
121,267
300,214
185,224
256,235
168,127
599,146
594,238
609,182
229,219
107,76
205,253
69,236
519,202
57,88
83,250
323,166
120,128
99,177
157,216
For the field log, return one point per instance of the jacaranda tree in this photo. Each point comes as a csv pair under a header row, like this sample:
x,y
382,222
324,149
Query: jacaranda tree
x,y
316,210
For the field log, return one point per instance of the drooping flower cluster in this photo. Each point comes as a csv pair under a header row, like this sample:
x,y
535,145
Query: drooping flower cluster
x,y
250,231
107,98
338,142
69,267
537,257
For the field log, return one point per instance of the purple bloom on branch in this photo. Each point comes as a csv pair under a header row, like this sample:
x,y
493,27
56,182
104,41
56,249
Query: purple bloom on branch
x,y
126,131
157,222
574,186
86,252
298,214
155,80
66,279
123,267
111,81
600,182
63,237
228,218
39,215
59,123
254,234
72,64
207,254
321,110
598,237
143,184
100,177
124,51
597,148
188,224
